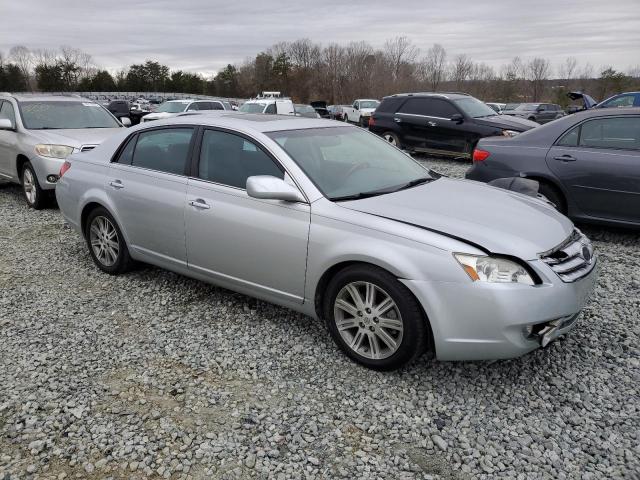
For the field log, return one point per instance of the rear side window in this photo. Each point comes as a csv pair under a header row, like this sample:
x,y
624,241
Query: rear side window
x,y
164,150
126,155
620,101
230,159
570,139
389,105
615,133
431,107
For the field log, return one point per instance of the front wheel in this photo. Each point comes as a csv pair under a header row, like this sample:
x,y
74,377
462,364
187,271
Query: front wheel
x,y
34,195
375,319
106,243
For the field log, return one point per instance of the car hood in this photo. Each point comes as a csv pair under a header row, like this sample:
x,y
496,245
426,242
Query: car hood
x,y
76,137
508,122
497,220
367,110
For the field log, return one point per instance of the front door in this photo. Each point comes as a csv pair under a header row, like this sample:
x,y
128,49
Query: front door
x,y
255,246
599,161
148,186
8,142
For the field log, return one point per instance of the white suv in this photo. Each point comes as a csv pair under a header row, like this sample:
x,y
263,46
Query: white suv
x,y
173,108
37,133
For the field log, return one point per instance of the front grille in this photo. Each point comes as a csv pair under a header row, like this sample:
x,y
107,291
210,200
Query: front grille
x,y
573,259
86,148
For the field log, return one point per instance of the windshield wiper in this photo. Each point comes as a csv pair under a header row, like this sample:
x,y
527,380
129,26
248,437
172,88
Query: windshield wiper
x,y
382,191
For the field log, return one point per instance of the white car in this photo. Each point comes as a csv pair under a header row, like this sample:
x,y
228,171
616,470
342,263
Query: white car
x,y
273,105
172,108
360,111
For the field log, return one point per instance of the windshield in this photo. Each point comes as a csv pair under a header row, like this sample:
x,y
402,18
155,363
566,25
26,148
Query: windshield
x,y
252,108
529,107
511,106
43,115
369,104
348,162
474,108
172,107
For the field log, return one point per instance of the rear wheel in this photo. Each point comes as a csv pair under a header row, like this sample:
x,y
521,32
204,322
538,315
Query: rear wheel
x,y
375,319
34,195
392,138
554,195
106,243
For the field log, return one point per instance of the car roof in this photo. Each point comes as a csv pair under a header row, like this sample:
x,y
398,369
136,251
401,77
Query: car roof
x,y
606,112
22,97
449,95
254,122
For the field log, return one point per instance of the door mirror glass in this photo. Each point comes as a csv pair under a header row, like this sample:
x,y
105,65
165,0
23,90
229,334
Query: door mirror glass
x,y
457,118
5,124
269,187
125,121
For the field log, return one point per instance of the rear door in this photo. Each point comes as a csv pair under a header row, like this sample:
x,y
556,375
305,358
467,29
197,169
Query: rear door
x,y
253,245
426,125
148,186
599,163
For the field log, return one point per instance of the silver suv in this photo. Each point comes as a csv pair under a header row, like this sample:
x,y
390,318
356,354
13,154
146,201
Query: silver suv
x,y
37,134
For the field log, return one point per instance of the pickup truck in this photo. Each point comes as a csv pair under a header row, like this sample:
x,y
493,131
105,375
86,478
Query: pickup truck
x,y
360,111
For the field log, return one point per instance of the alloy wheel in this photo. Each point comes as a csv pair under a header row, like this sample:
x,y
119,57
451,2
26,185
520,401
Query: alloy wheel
x,y
103,238
368,320
29,186
391,139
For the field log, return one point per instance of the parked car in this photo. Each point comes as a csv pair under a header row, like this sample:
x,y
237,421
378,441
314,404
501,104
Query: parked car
x,y
331,221
336,112
171,108
537,112
320,106
123,109
280,106
497,107
37,133
628,99
305,111
586,102
447,124
588,164
360,111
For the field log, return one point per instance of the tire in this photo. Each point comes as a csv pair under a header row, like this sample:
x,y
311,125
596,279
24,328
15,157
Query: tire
x,y
112,256
554,195
35,197
351,322
393,139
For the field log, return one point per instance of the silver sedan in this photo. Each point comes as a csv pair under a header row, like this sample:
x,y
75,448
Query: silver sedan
x,y
332,221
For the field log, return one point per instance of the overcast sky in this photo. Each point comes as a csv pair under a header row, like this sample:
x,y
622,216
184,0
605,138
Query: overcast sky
x,y
205,35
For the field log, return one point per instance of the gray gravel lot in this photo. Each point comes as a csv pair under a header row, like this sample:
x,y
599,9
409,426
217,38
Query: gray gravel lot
x,y
153,375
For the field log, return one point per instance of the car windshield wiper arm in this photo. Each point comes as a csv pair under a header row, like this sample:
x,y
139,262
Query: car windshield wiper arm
x,y
373,193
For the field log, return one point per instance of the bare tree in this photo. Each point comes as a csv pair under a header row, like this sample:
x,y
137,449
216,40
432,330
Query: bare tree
x,y
22,57
568,68
461,70
538,70
434,66
399,51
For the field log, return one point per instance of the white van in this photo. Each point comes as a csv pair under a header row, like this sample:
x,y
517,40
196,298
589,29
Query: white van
x,y
273,105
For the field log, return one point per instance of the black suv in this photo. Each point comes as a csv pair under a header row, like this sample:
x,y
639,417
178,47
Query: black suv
x,y
441,123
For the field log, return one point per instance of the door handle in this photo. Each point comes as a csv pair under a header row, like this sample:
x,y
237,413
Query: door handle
x,y
397,120
117,184
432,124
199,203
565,158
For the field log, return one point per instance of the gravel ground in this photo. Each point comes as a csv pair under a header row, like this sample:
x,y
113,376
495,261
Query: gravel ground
x,y
153,375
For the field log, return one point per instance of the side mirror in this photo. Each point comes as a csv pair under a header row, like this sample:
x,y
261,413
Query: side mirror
x,y
125,121
269,187
457,118
5,124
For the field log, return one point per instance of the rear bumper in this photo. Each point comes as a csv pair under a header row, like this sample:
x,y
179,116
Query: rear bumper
x,y
482,321
482,172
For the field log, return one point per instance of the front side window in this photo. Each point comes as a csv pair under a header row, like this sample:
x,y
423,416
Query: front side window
x,y
621,101
164,150
230,159
344,161
615,133
474,108
54,115
7,112
369,104
271,108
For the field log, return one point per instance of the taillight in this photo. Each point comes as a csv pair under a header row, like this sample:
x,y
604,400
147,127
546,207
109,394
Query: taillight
x,y
372,121
480,155
63,169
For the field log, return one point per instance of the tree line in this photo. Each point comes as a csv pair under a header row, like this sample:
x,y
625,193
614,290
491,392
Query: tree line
x,y
308,71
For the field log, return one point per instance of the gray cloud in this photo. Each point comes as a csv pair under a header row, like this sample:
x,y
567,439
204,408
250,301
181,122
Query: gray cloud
x,y
205,35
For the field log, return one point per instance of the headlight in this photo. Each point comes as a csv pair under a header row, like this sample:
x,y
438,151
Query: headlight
x,y
54,151
509,133
492,269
